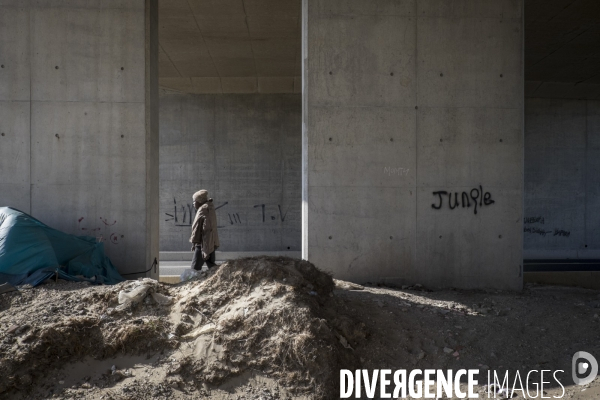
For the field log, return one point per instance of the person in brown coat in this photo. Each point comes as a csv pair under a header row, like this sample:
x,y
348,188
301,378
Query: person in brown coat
x,y
205,238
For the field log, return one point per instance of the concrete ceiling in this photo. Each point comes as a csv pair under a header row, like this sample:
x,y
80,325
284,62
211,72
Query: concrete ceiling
x,y
230,46
254,46
562,48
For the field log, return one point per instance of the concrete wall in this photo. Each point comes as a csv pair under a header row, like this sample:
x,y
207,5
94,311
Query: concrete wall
x,y
562,178
76,142
246,151
403,99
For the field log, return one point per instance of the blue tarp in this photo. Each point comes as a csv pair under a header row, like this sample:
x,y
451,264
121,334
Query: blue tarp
x,y
31,252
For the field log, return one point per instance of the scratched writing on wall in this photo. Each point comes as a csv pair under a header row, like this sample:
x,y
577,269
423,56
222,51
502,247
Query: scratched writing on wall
x,y
105,232
395,171
534,220
542,231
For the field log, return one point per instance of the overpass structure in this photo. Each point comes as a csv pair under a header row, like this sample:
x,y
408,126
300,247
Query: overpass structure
x,y
394,141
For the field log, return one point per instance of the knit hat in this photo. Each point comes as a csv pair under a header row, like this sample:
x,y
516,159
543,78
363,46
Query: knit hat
x,y
201,196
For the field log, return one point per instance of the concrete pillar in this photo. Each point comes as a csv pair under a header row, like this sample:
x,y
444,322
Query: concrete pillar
x,y
405,104
79,106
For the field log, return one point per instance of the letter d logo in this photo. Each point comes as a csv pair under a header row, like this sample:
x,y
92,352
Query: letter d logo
x,y
581,367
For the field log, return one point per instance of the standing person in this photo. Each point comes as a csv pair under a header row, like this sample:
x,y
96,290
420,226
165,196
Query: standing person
x,y
204,239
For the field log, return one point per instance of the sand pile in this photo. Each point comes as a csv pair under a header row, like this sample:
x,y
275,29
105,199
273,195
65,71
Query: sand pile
x,y
43,329
261,313
260,316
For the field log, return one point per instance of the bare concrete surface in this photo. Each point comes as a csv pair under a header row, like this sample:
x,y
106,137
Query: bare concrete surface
x,y
408,105
562,160
230,47
560,37
246,151
78,129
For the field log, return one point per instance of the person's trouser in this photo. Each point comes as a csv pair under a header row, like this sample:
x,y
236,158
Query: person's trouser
x,y
198,260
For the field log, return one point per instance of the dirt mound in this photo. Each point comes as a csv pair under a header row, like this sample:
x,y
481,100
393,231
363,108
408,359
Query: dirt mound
x,y
256,316
43,329
262,313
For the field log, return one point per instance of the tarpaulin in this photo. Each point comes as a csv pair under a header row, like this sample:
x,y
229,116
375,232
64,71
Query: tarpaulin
x,y
31,252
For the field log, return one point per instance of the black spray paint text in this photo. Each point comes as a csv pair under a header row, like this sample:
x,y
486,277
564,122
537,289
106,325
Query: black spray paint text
x,y
189,213
544,232
478,197
533,220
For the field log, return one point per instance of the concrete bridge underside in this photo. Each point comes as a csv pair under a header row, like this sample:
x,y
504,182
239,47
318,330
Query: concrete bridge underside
x,y
410,141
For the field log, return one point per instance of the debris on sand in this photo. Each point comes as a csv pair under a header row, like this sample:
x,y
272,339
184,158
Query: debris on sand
x,y
138,291
261,316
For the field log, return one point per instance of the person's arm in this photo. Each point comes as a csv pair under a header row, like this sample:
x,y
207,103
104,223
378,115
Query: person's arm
x,y
206,224
197,227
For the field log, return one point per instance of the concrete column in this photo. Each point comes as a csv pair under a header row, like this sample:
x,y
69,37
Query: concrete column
x,y
408,103
80,150
15,107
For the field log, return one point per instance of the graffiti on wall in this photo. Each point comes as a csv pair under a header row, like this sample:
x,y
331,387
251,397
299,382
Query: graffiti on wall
x,y
396,171
106,232
186,214
476,198
234,218
542,231
534,220
281,215
183,214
